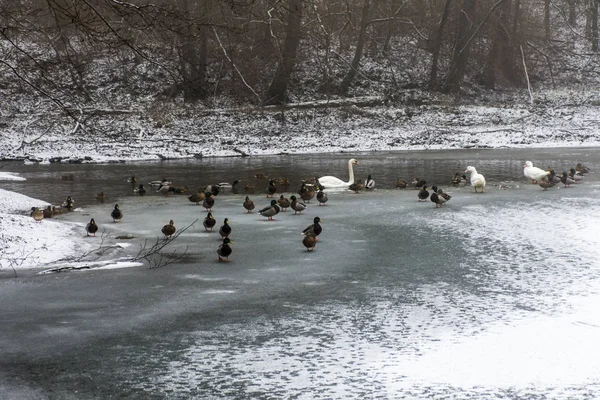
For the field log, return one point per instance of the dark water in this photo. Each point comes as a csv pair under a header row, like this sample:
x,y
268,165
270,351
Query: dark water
x,y
435,166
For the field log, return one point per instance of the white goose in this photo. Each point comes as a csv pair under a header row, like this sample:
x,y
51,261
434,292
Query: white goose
x,y
331,182
534,173
477,180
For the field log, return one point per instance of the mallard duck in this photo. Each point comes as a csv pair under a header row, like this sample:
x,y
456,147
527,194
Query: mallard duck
x,y
401,183
249,188
209,222
477,180
534,173
306,192
261,176
226,186
224,250
283,182
545,184
577,177
37,214
553,178
322,197
270,211
69,203
566,179
168,230
48,212
225,229
141,190
271,189
116,214
215,189
179,190
101,197
309,241
443,194
357,186
91,227
160,183
208,202
582,169
418,183
314,229
197,197
423,194
296,205
284,203
456,179
248,204
369,183
131,179
164,189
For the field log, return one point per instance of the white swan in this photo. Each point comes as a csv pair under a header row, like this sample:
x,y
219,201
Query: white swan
x,y
477,180
534,173
331,182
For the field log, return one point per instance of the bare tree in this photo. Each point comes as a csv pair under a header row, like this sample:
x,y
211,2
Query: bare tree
x,y
360,44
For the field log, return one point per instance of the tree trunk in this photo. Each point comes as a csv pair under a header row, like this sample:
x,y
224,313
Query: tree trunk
x,y
594,23
391,24
460,54
501,56
547,19
193,55
436,46
572,13
276,94
364,22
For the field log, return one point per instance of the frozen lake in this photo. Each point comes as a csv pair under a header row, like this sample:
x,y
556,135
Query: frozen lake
x,y
493,296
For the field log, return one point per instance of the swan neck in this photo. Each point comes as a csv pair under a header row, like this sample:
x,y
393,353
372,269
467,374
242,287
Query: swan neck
x,y
350,173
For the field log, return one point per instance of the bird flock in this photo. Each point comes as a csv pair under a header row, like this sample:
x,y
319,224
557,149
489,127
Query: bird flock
x,y
297,202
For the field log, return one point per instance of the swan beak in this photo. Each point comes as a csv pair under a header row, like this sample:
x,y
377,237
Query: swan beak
x,y
356,163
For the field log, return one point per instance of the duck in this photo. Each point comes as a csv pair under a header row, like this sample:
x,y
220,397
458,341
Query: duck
x,y
249,188
48,212
271,189
101,197
309,241
553,178
224,250
197,197
209,201
357,186
37,214
296,205
131,179
418,183
456,180
423,194
270,211
164,189
566,179
322,197
160,183
225,229
261,176
284,203
248,205
224,186
534,173
179,190
443,194
477,180
283,182
582,169
331,182
314,229
91,228
215,189
209,222
116,214
140,190
307,192
168,230
438,200
401,183
577,177
369,183
69,203
545,184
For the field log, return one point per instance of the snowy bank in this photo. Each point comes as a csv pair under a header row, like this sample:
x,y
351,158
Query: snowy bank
x,y
25,243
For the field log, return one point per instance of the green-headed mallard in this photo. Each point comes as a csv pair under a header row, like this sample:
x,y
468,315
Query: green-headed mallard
x,y
209,222
164,189
37,214
322,197
197,197
309,241
437,199
270,211
314,229
477,180
91,227
567,180
209,201
576,176
225,229
296,205
423,194
248,204
69,203
284,203
140,190
215,189
168,230
224,250
116,214
271,189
